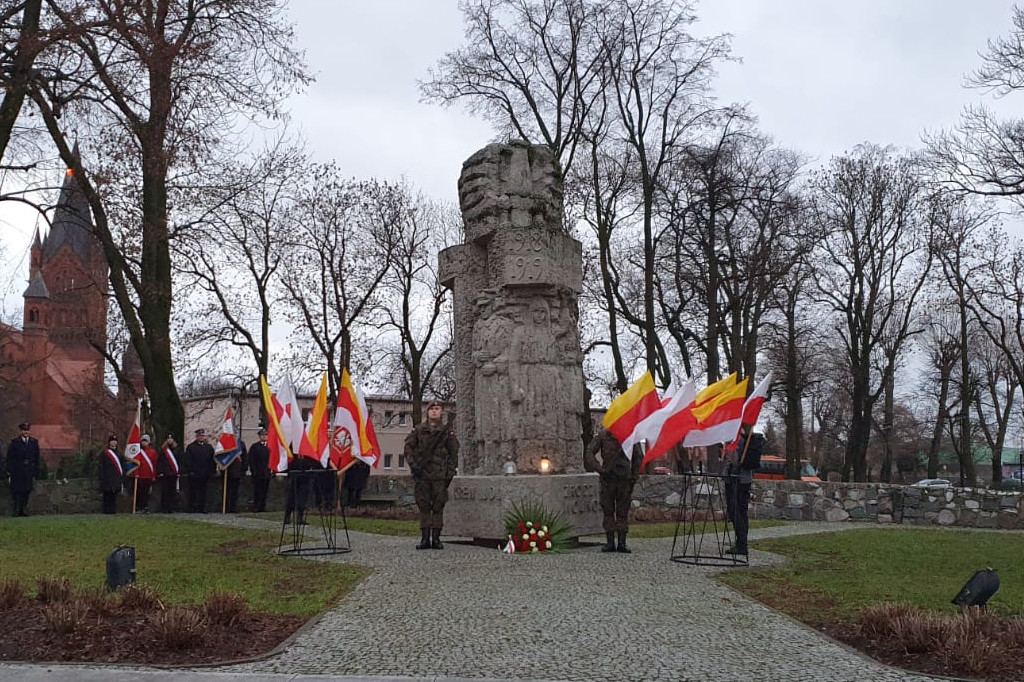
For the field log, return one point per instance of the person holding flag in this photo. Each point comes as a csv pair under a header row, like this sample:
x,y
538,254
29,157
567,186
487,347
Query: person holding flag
x,y
259,467
111,475
145,474
229,454
741,463
167,471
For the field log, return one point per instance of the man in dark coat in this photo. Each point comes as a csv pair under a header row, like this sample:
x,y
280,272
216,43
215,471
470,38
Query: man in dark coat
x,y
300,483
618,475
236,471
111,475
432,451
739,477
22,467
355,480
167,472
199,468
259,467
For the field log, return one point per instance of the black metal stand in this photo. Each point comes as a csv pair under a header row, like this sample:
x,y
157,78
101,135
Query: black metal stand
x,y
703,531
330,509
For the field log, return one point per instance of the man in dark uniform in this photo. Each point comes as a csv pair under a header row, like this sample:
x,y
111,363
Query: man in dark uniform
x,y
432,451
199,468
739,476
236,471
618,475
299,484
111,475
167,472
22,467
259,466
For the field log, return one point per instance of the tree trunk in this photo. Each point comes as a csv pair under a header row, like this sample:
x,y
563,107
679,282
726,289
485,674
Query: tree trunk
x,y
940,420
21,67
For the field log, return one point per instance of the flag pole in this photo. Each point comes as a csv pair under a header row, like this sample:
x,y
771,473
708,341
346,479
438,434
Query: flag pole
x,y
224,492
135,492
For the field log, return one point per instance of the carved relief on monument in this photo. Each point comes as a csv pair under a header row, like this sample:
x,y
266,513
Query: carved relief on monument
x,y
516,283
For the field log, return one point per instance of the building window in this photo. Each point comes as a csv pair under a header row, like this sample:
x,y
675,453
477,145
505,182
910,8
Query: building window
x,y
401,418
388,416
387,461
33,315
401,461
305,414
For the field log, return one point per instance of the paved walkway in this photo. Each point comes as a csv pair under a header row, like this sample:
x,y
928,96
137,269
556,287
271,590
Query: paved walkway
x,y
468,612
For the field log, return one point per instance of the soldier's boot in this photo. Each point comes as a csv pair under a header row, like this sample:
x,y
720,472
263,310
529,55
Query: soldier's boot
x,y
610,543
435,539
622,544
424,539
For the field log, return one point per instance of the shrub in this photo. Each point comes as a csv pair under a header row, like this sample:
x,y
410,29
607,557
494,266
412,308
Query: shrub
x,y
138,598
102,602
224,609
12,592
50,590
178,627
64,617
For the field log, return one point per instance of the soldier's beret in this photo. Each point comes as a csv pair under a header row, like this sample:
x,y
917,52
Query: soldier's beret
x,y
24,426
434,403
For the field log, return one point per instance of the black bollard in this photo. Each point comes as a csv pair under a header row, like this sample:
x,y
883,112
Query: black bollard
x,y
121,567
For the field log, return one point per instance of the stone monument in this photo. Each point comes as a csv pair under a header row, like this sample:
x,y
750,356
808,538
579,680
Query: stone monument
x,y
518,374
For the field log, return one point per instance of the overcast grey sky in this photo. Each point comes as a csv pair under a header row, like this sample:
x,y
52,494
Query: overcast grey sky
x,y
822,76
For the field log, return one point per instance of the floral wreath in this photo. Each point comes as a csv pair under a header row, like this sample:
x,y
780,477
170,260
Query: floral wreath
x,y
533,529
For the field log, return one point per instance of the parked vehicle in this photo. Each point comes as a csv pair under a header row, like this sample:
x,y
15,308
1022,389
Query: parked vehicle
x,y
933,483
774,469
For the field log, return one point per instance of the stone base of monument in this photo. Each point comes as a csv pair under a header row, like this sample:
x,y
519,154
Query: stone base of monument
x,y
477,505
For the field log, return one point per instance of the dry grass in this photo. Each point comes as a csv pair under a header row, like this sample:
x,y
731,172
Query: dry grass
x,y
972,641
224,609
52,590
65,616
12,592
137,598
178,627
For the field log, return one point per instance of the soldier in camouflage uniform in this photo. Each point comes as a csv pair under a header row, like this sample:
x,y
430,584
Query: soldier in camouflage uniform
x,y
618,474
432,451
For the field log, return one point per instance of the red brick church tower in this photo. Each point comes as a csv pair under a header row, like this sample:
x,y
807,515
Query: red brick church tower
x,y
65,322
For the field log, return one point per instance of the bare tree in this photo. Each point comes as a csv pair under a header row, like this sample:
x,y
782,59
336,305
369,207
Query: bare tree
x,y
874,265
234,257
156,86
414,298
333,273
985,154
21,42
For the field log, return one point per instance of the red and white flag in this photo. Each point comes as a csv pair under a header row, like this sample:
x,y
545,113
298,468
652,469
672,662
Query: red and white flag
x,y
352,435
280,454
315,442
133,447
752,407
226,450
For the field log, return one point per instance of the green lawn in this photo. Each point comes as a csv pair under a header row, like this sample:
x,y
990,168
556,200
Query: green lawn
x,y
183,561
667,529
834,575
359,524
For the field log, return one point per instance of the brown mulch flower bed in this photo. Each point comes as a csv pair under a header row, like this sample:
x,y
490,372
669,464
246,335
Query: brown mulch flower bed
x,y
973,644
109,628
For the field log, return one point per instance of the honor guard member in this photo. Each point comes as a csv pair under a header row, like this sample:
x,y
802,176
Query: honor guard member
x,y
111,475
739,476
145,474
432,451
22,467
200,467
259,467
618,475
167,472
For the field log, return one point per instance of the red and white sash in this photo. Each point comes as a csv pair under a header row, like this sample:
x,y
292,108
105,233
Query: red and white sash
x,y
171,458
116,460
144,456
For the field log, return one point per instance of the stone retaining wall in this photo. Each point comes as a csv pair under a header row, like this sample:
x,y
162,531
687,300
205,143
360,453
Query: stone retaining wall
x,y
873,502
654,497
